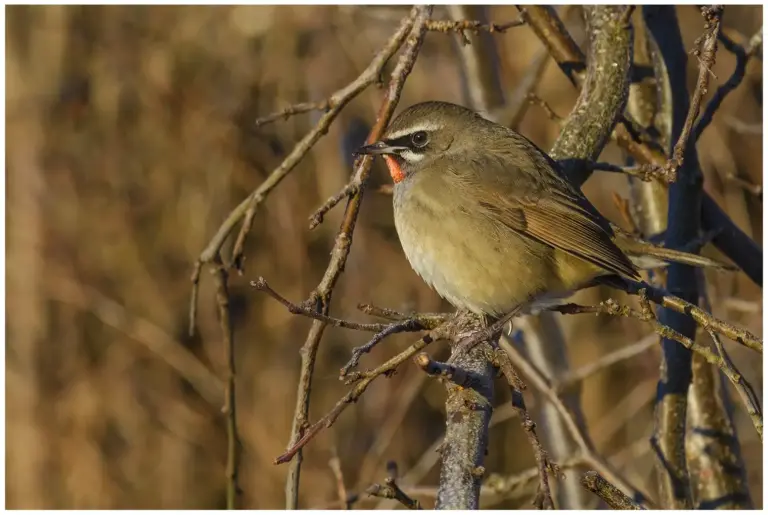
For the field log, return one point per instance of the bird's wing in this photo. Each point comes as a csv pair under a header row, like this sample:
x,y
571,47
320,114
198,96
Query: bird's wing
x,y
548,209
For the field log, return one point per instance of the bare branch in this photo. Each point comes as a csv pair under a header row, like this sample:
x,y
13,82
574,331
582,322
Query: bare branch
x,y
706,55
220,275
588,454
390,490
261,285
743,55
335,464
612,496
461,26
468,414
336,102
413,28
292,110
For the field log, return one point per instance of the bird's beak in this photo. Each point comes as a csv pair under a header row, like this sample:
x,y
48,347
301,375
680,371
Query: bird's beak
x,y
378,148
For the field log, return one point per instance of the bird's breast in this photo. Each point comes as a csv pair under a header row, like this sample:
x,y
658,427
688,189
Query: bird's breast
x,y
469,259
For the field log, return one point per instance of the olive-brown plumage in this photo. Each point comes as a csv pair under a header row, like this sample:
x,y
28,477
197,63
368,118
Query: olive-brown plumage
x,y
486,218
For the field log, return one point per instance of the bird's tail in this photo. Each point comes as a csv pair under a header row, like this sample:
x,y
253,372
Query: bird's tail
x,y
646,255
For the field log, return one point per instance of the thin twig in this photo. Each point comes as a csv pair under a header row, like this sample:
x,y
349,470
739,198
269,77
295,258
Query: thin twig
x,y
305,107
412,28
706,55
586,449
230,407
390,490
341,490
606,361
261,285
545,467
460,26
534,99
612,496
644,172
336,102
611,307
363,380
743,55
350,189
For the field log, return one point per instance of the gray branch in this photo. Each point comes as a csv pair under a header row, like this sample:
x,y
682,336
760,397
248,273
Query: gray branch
x,y
466,435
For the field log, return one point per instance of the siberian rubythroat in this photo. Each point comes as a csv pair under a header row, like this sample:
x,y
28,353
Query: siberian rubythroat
x,y
488,220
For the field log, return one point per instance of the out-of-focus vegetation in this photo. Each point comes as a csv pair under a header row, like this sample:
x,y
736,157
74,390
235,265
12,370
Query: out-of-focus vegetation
x,y
130,137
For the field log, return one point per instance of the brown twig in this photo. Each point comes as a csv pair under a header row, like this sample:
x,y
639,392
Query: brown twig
x,y
335,464
752,189
220,275
588,455
706,55
534,99
336,102
743,55
413,29
461,26
411,325
261,285
445,371
611,307
644,172
545,467
390,490
363,380
350,189
592,368
612,496
304,107
479,61
545,23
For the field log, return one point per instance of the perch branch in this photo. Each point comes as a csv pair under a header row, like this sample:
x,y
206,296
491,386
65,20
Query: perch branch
x,y
468,414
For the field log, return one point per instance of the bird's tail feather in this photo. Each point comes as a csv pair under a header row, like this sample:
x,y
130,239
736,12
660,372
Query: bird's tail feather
x,y
652,256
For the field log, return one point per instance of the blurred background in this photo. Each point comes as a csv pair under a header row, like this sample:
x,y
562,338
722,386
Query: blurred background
x,y
130,137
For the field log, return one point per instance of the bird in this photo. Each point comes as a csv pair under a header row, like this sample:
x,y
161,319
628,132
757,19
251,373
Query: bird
x,y
490,222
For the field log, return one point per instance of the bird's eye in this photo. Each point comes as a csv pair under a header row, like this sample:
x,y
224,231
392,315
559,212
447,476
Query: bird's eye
x,y
420,138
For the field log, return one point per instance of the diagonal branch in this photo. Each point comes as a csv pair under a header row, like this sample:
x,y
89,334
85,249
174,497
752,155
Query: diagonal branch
x,y
414,27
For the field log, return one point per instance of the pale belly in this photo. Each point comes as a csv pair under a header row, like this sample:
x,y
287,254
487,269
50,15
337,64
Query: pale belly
x,y
473,263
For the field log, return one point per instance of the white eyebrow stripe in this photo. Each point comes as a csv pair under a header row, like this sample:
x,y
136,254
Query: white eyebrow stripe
x,y
424,126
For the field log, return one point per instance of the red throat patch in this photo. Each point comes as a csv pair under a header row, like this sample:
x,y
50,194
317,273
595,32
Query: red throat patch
x,y
394,169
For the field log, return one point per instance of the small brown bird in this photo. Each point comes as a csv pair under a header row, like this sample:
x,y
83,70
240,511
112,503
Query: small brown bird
x,y
487,220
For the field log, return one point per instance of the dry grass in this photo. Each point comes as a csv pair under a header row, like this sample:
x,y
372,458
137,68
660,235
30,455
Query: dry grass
x,y
129,139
